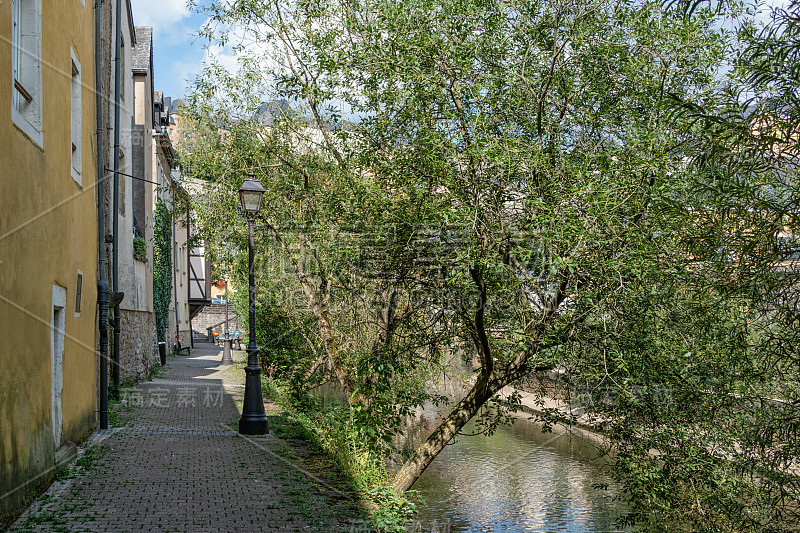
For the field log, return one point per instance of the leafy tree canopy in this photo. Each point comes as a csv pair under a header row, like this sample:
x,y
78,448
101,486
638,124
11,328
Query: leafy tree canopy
x,y
576,187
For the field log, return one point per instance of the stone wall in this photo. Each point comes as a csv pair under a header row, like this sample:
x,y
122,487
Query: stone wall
x,y
138,346
211,315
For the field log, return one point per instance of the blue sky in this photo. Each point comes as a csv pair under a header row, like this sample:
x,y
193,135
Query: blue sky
x,y
177,53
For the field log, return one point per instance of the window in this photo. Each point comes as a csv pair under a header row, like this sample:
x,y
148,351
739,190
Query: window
x,y
26,67
75,119
78,293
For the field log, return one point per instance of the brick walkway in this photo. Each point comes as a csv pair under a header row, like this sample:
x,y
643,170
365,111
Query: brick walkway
x,y
177,464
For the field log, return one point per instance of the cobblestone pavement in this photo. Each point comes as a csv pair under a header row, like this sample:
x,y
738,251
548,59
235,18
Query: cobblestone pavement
x,y
175,463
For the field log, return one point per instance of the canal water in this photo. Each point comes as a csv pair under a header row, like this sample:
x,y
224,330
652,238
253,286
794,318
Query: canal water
x,y
519,479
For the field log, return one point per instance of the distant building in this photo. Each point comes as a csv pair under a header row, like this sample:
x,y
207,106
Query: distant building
x,y
168,189
193,271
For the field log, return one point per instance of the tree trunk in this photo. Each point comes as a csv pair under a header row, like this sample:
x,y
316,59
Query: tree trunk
x,y
447,429
319,309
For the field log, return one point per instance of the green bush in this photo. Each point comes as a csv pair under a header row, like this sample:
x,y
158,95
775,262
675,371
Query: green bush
x,y
139,248
334,430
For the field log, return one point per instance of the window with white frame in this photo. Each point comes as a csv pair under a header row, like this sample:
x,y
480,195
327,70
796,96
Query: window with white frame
x,y
26,67
75,119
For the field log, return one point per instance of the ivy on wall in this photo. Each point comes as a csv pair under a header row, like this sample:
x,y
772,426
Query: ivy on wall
x,y
162,267
140,249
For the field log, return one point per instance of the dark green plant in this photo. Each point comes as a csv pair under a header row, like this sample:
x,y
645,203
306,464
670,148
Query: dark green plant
x,y
139,248
162,268
333,430
394,511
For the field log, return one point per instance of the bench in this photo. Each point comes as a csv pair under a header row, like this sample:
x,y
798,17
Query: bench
x,y
179,350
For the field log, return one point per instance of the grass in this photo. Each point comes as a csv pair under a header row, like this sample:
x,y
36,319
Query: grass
x,y
34,521
90,455
87,459
115,407
331,433
64,472
323,481
156,372
8,519
40,515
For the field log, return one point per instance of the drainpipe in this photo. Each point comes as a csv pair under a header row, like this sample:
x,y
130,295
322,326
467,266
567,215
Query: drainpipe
x,y
102,285
115,157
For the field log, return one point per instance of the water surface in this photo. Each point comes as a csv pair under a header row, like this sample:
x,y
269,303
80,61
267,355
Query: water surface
x,y
519,479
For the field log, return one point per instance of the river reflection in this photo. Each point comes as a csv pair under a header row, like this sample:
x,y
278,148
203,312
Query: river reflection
x,y
519,479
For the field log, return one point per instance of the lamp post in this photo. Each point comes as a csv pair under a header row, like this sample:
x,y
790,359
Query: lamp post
x,y
254,419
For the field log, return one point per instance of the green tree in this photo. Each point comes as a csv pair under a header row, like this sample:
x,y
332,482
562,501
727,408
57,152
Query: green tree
x,y
544,207
734,392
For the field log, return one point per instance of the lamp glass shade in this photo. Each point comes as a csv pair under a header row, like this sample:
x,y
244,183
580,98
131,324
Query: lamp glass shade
x,y
251,202
251,194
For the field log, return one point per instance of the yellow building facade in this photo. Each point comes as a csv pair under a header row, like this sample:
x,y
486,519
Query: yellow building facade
x,y
48,239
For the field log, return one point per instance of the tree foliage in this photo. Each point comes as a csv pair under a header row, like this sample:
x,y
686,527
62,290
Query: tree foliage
x,y
540,185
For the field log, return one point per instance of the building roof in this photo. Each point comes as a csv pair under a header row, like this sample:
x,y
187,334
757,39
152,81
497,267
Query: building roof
x,y
268,112
142,60
172,104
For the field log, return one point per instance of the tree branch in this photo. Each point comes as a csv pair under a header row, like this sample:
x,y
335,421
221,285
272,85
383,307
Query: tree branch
x,y
487,363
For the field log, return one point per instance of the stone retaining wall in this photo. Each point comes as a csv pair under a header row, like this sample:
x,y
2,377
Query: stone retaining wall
x,y
211,315
138,346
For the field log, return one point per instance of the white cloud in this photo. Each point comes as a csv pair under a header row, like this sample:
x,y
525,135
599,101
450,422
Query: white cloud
x,y
185,70
179,34
162,15
226,57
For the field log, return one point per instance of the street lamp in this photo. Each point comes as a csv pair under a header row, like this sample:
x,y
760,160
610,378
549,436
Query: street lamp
x,y
254,419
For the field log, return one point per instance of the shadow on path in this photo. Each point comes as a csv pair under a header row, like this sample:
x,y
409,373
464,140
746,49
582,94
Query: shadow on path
x,y
176,463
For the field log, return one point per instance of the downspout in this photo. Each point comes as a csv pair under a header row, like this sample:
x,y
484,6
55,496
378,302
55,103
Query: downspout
x,y
115,157
102,284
